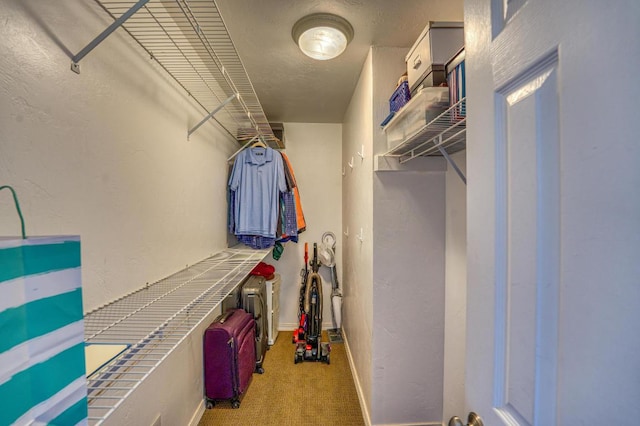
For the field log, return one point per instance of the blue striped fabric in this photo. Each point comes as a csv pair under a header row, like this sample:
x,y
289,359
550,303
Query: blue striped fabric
x,y
289,217
42,376
256,241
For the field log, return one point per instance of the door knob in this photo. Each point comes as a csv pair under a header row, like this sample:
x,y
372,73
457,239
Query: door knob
x,y
455,421
472,420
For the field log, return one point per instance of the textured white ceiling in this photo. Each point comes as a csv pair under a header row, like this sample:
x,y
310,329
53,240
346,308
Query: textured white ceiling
x,y
294,88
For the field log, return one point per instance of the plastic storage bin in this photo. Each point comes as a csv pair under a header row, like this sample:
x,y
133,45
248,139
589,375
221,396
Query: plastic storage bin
x,y
400,97
425,106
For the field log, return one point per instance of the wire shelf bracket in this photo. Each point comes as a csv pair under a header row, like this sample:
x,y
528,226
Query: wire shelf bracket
x,y
452,163
212,113
75,66
189,40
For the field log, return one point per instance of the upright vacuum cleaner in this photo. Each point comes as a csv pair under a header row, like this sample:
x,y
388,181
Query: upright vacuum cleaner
x,y
308,336
327,255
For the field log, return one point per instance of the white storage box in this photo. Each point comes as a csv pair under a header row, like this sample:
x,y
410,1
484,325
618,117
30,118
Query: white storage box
x,y
437,43
425,106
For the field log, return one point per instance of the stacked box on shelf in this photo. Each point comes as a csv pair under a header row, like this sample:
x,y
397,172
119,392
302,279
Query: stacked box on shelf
x,y
400,97
426,59
424,107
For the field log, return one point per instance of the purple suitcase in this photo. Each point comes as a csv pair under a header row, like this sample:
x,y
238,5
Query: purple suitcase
x,y
229,356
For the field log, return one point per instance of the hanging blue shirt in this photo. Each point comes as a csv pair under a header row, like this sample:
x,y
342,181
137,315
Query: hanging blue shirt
x,y
257,180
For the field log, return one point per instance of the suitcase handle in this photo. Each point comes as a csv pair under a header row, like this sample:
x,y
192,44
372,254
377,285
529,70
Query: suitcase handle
x,y
258,329
222,318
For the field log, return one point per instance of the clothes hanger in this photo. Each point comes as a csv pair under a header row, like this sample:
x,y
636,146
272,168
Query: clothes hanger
x,y
259,143
243,147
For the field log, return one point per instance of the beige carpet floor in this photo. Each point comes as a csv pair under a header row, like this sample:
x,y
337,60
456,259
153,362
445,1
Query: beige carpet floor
x,y
294,394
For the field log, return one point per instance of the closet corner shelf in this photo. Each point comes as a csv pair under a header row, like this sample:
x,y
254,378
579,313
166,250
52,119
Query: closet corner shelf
x,y
444,135
190,41
151,322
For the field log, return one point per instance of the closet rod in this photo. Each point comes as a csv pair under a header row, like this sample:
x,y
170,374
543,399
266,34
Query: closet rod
x,y
243,147
212,113
75,67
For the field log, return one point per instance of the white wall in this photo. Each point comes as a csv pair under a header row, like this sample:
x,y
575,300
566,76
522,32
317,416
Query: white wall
x,y
408,272
357,213
315,154
399,266
409,260
455,290
104,154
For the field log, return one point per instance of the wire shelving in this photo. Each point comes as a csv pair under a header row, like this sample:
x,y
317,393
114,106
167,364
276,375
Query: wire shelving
x,y
154,320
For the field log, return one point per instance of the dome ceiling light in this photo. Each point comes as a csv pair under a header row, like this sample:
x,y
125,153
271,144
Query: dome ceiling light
x,y
322,36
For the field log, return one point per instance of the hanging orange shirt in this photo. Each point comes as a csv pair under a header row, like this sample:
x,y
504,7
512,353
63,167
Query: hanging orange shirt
x,y
302,225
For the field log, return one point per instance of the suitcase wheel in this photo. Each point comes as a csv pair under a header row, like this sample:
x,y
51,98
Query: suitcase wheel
x,y
235,403
210,404
259,370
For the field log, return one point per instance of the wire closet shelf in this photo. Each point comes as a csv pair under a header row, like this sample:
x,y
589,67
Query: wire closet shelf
x,y
443,135
190,41
154,321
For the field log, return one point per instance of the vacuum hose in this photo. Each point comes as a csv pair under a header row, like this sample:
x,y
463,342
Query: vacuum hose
x,y
334,278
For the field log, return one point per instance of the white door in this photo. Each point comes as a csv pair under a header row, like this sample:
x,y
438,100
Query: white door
x,y
553,169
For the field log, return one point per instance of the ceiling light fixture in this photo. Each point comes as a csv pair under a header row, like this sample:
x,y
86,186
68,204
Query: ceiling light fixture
x,y
322,36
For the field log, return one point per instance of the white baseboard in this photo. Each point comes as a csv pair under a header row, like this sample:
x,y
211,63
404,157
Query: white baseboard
x,y
363,406
195,419
287,326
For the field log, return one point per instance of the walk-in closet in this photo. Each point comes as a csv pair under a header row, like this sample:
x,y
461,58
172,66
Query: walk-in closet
x,y
428,217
